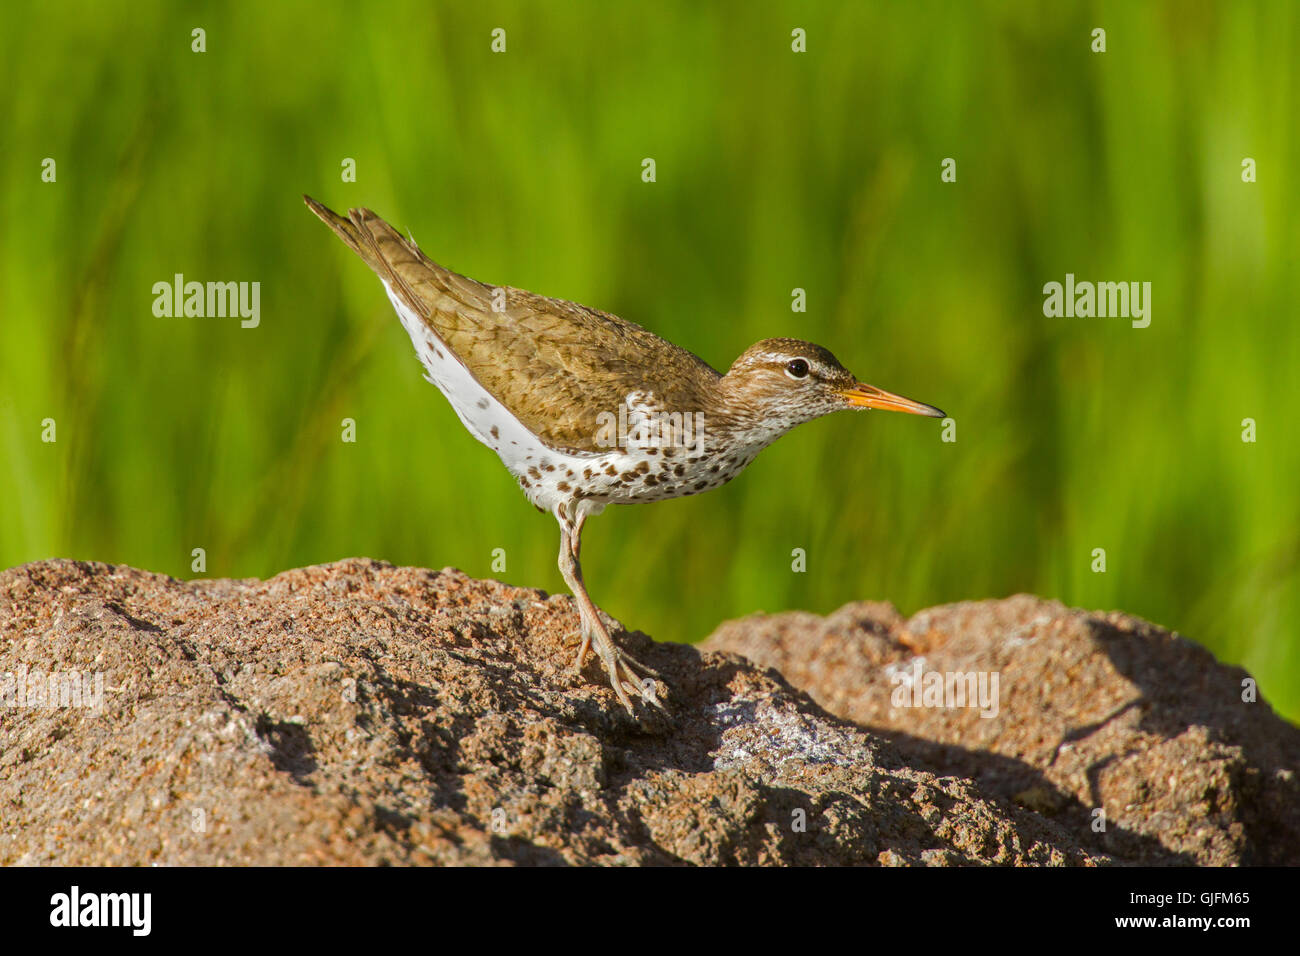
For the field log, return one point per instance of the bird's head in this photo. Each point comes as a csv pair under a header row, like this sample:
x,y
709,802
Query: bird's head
x,y
787,382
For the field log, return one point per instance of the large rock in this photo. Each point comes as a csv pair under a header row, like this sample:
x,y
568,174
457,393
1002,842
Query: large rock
x,y
1096,711
361,713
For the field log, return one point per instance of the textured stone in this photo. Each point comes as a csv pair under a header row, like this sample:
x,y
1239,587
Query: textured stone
x,y
357,713
1096,711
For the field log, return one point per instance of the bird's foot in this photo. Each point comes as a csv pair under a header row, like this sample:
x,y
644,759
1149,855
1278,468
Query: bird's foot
x,y
623,669
628,676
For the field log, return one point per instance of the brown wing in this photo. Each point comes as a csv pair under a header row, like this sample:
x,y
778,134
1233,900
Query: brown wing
x,y
555,364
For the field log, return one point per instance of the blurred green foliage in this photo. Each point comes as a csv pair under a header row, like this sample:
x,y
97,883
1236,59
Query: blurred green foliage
x,y
775,170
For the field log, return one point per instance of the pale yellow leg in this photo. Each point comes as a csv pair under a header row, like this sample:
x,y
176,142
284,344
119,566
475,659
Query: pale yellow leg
x,y
625,672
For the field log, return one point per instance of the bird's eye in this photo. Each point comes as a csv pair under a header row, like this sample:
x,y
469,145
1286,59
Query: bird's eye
x,y
797,369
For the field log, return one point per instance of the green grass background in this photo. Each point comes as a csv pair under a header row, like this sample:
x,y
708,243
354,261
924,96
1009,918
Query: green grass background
x,y
775,170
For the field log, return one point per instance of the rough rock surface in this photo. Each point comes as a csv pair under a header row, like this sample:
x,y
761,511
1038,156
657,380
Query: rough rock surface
x,y
359,713
1095,711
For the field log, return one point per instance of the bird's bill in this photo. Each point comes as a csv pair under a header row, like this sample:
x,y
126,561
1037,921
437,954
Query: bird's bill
x,y
868,396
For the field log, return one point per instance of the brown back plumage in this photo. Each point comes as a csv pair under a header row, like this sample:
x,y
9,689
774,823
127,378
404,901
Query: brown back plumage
x,y
555,364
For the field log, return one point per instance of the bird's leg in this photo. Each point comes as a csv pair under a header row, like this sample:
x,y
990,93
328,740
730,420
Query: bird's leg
x,y
625,672
572,539
575,544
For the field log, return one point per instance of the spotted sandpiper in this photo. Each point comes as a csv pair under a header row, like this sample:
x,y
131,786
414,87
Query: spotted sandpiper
x,y
586,409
